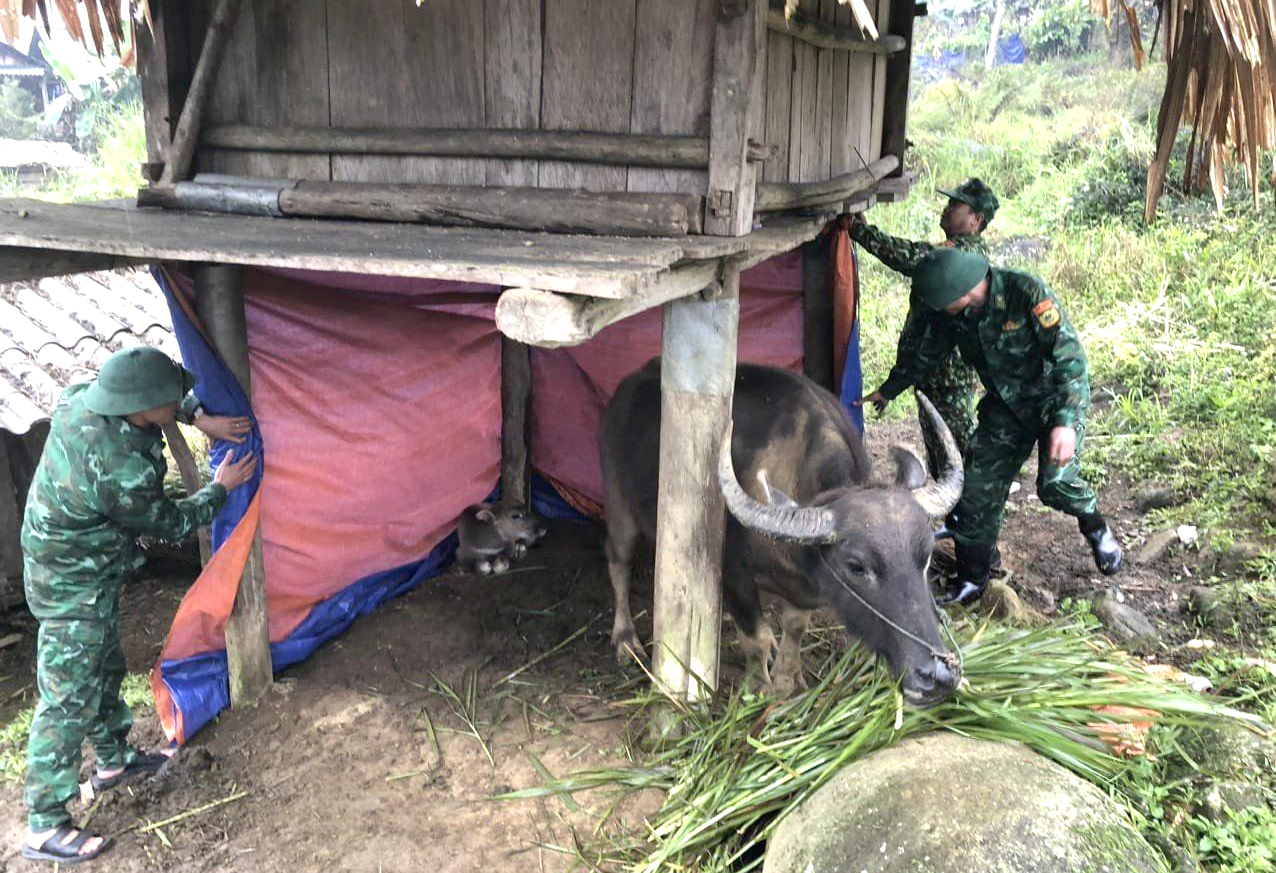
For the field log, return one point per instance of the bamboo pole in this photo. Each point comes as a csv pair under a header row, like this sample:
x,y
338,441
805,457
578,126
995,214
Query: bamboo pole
x,y
191,481
621,149
778,196
182,151
831,36
544,209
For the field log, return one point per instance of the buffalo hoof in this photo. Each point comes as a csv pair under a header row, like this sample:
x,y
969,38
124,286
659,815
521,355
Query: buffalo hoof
x,y
629,649
786,682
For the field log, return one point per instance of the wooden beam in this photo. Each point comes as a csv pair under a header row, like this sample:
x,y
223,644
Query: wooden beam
x,y
219,302
898,70
22,264
589,147
540,209
831,36
186,135
817,314
516,421
191,480
697,380
593,266
779,196
548,320
739,49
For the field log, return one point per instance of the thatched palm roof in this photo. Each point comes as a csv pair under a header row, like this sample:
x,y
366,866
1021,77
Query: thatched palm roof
x,y
1220,59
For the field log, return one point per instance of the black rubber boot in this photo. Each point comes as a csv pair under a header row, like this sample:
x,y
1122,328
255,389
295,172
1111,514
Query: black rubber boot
x,y
1108,556
974,563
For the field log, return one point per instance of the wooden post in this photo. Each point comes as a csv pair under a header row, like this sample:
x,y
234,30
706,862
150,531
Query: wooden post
x,y
738,58
219,302
182,152
817,313
516,420
895,97
191,480
697,380
162,68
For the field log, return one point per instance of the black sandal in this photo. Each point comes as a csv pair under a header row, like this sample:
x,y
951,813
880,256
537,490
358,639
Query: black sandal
x,y
146,763
58,849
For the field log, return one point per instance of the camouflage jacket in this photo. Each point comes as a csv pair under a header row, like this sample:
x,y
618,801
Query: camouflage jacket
x,y
98,486
901,255
1021,344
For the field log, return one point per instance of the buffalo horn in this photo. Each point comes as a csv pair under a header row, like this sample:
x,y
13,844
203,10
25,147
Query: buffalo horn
x,y
799,524
940,496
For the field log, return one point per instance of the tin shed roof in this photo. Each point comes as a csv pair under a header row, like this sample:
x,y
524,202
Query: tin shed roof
x,y
58,331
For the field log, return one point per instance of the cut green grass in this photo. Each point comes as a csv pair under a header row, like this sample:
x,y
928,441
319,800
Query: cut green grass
x,y
745,761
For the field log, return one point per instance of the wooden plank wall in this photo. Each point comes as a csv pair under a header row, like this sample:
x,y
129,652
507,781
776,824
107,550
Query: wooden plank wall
x,y
641,66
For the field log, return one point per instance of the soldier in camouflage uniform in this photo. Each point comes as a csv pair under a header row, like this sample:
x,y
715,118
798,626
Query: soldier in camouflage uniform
x,y
951,386
99,485
1012,330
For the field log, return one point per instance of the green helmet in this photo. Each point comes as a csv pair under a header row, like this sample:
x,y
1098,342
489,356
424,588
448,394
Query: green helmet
x,y
135,380
975,194
945,275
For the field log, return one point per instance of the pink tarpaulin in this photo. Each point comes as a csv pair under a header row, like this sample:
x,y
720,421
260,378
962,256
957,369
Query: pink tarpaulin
x,y
378,401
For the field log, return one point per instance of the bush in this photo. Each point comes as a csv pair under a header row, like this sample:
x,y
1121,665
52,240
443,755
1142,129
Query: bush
x,y
18,118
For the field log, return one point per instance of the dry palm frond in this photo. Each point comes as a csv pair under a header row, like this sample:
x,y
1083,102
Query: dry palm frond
x,y
105,18
863,17
1220,58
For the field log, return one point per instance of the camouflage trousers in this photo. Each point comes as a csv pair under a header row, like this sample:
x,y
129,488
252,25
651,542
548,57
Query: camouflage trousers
x,y
997,452
79,668
952,389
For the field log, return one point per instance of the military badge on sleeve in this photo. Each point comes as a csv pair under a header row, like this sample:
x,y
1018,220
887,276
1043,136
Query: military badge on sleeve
x,y
1047,314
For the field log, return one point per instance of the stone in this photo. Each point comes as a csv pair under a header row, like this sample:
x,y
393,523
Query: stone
x,y
943,803
1232,560
1157,545
1155,497
1209,609
1235,767
1002,602
1124,623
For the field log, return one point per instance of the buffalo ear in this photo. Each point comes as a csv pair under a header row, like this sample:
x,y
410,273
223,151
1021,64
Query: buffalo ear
x,y
485,515
909,472
773,495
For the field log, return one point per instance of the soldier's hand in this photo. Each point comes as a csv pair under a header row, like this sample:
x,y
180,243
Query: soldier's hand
x,y
225,427
231,474
876,398
1062,445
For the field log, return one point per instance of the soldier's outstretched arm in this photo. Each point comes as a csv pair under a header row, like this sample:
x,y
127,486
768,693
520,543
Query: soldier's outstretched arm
x,y
132,495
900,254
923,346
1059,342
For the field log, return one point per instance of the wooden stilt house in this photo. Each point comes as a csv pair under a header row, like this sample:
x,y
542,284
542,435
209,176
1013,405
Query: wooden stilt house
x,y
594,158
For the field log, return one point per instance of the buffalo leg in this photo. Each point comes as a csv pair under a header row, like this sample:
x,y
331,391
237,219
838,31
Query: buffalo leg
x,y
788,676
622,538
757,640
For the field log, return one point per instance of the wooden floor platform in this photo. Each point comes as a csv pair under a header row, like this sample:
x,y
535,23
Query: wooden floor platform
x,y
620,268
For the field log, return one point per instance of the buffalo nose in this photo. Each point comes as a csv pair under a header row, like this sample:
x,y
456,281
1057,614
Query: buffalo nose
x,y
938,675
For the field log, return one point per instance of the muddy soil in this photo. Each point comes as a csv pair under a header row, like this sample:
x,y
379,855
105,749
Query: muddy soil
x,y
358,760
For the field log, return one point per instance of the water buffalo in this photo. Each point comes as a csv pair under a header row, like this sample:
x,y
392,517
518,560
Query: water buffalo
x,y
816,530
491,536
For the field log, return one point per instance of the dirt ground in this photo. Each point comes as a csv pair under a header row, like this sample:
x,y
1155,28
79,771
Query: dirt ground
x,y
336,770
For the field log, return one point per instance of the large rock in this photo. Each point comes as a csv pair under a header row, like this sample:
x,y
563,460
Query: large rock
x,y
1125,624
943,803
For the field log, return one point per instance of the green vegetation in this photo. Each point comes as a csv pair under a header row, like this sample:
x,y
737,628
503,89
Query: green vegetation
x,y
1176,317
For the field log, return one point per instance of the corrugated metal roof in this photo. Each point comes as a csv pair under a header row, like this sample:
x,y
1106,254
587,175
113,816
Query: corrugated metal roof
x,y
58,331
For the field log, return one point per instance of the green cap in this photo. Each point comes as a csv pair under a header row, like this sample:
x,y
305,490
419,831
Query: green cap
x,y
135,380
944,275
975,194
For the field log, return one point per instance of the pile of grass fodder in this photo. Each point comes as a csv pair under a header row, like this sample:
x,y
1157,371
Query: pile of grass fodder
x,y
745,760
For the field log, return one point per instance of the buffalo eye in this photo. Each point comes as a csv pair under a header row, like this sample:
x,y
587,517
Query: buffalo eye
x,y
517,515
855,568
